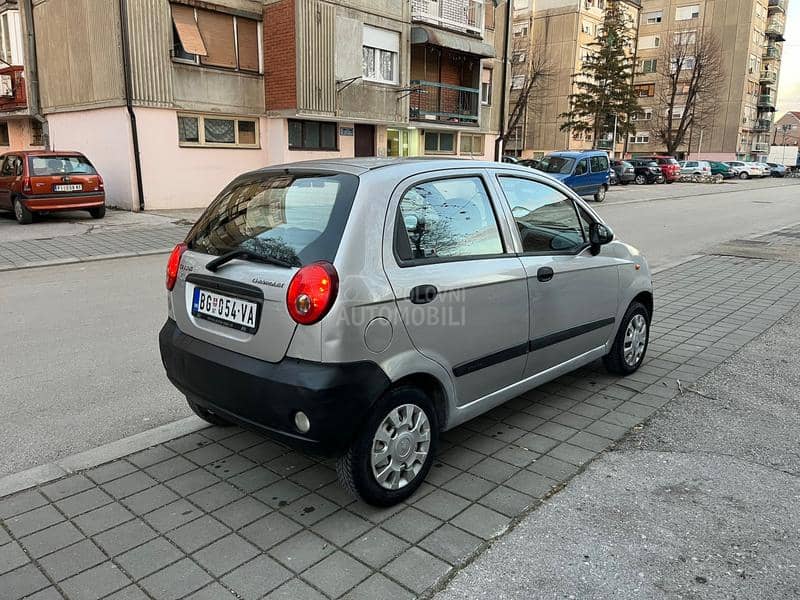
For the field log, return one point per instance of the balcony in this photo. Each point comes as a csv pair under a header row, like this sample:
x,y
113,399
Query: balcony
x,y
768,77
776,6
604,145
13,96
766,101
771,53
465,16
775,27
444,103
762,125
761,147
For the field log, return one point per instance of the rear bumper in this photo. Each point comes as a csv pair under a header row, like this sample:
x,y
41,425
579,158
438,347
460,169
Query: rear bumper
x,y
672,175
264,396
52,202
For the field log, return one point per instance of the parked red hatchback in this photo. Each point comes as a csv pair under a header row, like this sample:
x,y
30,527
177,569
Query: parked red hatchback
x,y
669,166
34,182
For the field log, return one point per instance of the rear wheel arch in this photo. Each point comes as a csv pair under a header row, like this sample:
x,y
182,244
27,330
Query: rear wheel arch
x,y
432,388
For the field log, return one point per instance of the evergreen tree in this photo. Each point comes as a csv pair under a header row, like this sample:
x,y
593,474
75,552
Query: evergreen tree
x,y
604,87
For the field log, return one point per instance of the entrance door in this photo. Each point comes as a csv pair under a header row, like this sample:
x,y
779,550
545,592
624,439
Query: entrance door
x,y
365,140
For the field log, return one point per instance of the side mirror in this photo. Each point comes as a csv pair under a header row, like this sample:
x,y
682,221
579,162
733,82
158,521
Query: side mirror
x,y
599,235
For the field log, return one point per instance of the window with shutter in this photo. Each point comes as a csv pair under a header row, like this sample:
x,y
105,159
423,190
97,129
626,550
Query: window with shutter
x,y
217,31
247,35
188,33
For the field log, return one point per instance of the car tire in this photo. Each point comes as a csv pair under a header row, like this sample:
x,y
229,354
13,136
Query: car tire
x,y
629,349
207,415
669,180
600,195
640,180
98,213
744,175
358,468
22,214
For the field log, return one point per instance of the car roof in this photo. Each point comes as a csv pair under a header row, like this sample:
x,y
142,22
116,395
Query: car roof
x,y
360,166
576,153
43,153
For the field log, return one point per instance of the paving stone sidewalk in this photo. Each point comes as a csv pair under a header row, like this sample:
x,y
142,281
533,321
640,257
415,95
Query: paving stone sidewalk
x,y
224,513
107,243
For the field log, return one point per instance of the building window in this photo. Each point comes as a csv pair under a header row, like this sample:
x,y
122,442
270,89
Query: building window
x,y
486,86
682,89
643,115
649,41
654,17
517,82
37,133
471,144
686,63
586,27
648,65
684,38
685,13
677,112
488,18
646,90
520,30
312,135
6,22
641,137
379,55
215,39
217,132
439,143
4,141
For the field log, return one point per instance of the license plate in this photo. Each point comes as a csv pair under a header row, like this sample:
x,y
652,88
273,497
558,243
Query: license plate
x,y
68,187
224,310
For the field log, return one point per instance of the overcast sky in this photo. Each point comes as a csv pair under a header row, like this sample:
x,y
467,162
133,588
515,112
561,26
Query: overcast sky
x,y
789,87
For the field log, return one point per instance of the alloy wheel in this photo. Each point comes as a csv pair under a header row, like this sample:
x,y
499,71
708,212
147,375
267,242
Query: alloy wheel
x,y
18,210
635,340
400,446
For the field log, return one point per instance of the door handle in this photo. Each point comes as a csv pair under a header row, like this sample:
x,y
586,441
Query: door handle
x,y
422,294
544,274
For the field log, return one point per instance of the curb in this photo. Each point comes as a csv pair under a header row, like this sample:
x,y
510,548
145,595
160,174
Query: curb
x,y
75,260
16,482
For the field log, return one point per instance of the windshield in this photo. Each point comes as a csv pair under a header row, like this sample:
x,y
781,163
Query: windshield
x,y
556,164
60,165
290,217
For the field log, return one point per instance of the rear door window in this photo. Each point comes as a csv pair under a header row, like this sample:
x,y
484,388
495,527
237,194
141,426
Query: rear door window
x,y
583,167
599,164
298,218
446,219
42,166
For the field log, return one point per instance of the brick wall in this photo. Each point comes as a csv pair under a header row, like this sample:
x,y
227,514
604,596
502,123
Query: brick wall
x,y
280,55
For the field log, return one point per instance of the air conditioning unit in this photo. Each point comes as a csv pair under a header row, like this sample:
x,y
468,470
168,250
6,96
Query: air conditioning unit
x,y
6,86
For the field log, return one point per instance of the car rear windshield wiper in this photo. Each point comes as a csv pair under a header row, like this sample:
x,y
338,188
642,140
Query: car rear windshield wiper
x,y
246,255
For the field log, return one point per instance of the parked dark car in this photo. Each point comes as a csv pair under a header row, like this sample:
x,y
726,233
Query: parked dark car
x,y
623,171
646,171
36,182
669,167
529,162
720,168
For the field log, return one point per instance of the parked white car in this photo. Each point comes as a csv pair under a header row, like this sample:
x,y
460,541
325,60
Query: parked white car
x,y
766,170
695,167
746,170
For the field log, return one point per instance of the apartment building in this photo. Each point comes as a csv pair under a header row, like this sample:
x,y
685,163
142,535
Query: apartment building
x,y
751,35
562,32
786,131
171,99
19,127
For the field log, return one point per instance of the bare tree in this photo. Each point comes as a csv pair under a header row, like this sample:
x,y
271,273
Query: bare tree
x,y
689,77
529,72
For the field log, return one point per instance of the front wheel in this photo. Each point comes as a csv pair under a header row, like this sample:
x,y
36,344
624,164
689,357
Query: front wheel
x,y
600,194
630,344
640,180
392,454
744,175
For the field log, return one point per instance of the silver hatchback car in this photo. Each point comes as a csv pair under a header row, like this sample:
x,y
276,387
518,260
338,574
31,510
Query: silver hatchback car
x,y
357,308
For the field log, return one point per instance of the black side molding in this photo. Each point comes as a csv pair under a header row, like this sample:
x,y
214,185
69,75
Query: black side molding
x,y
561,336
490,360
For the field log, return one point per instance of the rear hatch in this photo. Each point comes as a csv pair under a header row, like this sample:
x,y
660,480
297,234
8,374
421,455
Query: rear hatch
x,y
62,174
245,249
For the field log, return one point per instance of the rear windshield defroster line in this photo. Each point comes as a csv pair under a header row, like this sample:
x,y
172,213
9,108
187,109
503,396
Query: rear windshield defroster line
x,y
297,217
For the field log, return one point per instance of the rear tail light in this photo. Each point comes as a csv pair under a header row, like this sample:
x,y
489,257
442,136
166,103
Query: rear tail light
x,y
312,292
100,185
26,185
173,264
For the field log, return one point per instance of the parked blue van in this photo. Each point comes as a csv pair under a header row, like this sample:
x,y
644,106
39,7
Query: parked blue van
x,y
586,171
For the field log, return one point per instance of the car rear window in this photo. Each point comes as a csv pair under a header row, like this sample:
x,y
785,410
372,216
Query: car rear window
x,y
41,166
297,218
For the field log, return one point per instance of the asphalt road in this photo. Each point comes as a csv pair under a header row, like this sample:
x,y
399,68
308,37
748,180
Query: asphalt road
x,y
78,343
